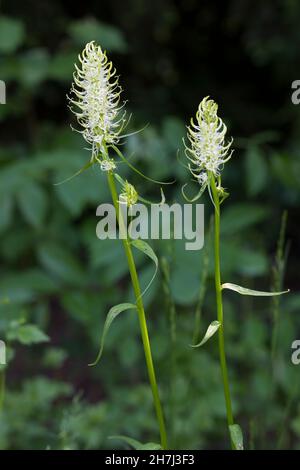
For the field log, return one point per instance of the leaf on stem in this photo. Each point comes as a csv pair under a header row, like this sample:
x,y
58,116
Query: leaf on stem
x,y
245,291
112,314
136,444
120,154
213,327
195,198
236,435
85,167
147,250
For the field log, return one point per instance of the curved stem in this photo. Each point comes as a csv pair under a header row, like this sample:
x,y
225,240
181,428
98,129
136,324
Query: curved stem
x,y
141,314
220,306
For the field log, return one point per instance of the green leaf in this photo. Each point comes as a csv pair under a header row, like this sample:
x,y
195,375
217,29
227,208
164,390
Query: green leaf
x,y
60,262
24,286
241,216
197,196
78,192
90,29
236,436
256,170
27,334
147,250
11,34
245,291
112,314
62,65
6,211
137,445
125,160
33,203
213,327
34,67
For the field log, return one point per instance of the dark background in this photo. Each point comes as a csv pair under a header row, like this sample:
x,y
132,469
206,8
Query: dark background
x,y
57,281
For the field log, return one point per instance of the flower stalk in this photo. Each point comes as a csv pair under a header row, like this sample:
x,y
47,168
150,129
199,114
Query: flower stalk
x,y
96,95
141,315
218,287
207,153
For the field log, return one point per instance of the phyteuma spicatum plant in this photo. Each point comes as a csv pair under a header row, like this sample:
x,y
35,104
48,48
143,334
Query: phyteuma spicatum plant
x,y
96,101
207,151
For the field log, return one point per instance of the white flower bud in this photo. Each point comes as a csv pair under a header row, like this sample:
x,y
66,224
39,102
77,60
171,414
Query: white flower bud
x,y
129,196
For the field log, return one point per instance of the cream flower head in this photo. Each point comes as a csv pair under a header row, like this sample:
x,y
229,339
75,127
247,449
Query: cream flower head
x,y
208,151
96,94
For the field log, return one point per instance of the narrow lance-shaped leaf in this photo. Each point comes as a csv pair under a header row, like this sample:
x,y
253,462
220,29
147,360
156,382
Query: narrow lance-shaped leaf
x,y
125,160
136,444
245,291
236,435
147,250
198,195
213,327
112,314
85,167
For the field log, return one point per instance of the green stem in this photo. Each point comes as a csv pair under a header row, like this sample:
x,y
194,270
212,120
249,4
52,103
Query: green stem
x,y
141,314
220,306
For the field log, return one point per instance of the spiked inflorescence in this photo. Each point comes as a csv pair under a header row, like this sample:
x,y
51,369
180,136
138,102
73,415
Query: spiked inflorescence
x,y
96,93
208,151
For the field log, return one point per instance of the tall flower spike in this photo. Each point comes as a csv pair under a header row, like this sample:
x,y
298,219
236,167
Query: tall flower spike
x,y
208,151
96,94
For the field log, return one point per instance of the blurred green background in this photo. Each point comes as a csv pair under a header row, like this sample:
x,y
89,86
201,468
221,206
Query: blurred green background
x,y
57,280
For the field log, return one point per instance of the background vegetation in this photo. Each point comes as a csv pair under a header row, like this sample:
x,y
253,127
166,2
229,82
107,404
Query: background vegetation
x,y
57,280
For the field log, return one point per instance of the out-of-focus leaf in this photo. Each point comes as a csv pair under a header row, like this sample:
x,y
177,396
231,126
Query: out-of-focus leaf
x,y
241,216
137,445
11,34
32,201
6,210
54,357
61,66
256,170
27,334
60,262
238,258
24,286
81,190
90,29
34,67
184,286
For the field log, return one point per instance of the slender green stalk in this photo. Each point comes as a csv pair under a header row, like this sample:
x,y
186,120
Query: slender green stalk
x,y
171,310
277,282
141,314
203,282
220,306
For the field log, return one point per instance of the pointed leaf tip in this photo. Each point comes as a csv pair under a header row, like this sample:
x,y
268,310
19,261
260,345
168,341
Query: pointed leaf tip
x,y
213,327
244,291
145,248
112,314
